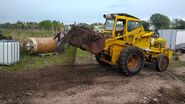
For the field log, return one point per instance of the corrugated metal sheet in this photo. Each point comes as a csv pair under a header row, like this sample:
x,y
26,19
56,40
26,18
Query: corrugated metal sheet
x,y
180,39
170,36
9,52
174,37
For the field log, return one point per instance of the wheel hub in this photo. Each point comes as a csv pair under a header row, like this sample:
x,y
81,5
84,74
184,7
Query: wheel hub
x,y
164,63
133,62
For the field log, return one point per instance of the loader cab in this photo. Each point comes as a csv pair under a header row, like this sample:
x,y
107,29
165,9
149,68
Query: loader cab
x,y
118,25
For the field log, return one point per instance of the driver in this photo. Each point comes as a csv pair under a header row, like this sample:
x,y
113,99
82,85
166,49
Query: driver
x,y
60,41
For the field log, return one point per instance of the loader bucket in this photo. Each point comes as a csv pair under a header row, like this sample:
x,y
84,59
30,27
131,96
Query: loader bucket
x,y
95,47
86,39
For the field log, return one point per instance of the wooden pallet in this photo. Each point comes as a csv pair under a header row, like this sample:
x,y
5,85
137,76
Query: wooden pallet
x,y
47,54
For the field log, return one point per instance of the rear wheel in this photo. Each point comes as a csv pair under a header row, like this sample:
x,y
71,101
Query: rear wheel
x,y
162,63
131,61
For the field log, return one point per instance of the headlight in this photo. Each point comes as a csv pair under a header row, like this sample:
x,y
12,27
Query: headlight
x,y
109,16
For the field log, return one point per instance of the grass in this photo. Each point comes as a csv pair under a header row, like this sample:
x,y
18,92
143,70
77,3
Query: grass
x,y
175,63
22,34
81,54
29,62
34,62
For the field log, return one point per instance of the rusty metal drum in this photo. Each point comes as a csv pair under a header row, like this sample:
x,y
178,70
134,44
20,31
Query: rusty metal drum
x,y
39,45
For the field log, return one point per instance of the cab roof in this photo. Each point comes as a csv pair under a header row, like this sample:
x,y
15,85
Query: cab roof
x,y
110,16
126,15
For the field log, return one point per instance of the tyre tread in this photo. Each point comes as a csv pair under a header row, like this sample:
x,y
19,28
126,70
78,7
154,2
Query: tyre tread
x,y
123,59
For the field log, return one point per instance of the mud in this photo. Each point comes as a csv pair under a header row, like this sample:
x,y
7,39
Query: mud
x,y
89,83
84,38
80,35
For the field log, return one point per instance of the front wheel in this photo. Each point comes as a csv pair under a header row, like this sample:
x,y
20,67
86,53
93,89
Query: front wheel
x,y
131,61
162,63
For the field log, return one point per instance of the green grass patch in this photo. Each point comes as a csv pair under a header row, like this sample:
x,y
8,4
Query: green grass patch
x,y
81,53
30,62
22,34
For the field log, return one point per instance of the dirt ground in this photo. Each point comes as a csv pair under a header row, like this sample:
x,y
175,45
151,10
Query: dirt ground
x,y
182,57
88,83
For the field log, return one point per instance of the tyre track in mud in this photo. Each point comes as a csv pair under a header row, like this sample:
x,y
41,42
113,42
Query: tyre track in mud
x,y
17,85
89,83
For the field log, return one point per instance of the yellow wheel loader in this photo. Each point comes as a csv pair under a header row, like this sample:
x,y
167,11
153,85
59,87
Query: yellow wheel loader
x,y
124,42
130,46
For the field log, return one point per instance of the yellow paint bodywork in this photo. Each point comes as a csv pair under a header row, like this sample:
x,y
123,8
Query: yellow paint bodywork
x,y
138,37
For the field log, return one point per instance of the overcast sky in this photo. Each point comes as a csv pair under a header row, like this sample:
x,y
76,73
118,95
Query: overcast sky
x,y
88,11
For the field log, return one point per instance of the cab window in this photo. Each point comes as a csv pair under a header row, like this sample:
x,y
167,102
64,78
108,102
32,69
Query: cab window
x,y
109,24
132,25
120,24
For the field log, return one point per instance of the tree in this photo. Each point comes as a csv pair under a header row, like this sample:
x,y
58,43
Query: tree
x,y
146,25
178,24
160,21
46,24
57,25
7,25
19,25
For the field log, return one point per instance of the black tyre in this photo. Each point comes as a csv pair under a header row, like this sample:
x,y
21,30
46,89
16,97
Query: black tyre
x,y
99,61
162,63
131,61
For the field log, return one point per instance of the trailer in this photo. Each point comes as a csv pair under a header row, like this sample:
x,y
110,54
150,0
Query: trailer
x,y
175,38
